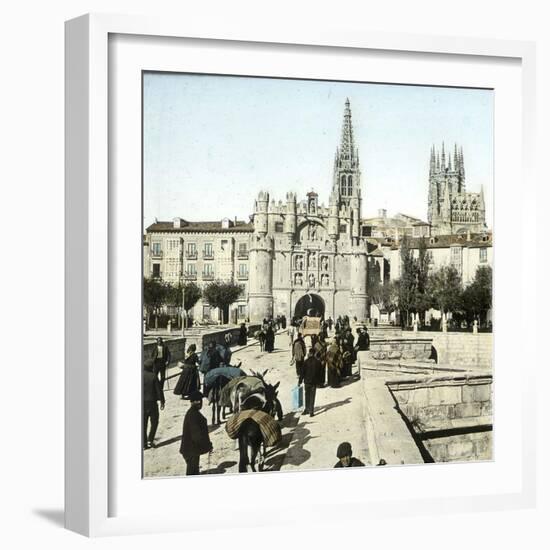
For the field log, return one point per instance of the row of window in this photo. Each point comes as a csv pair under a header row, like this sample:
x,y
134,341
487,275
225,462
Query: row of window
x,y
191,271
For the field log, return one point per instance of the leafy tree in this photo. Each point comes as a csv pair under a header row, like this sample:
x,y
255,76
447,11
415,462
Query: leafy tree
x,y
422,298
221,295
389,296
477,297
445,288
189,291
155,293
406,295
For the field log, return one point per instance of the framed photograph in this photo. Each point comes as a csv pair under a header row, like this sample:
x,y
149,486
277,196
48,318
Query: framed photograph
x,y
290,262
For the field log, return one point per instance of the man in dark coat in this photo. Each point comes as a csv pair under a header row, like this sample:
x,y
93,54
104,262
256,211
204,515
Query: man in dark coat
x,y
345,457
194,437
243,333
152,393
299,354
213,356
269,339
363,340
161,359
310,377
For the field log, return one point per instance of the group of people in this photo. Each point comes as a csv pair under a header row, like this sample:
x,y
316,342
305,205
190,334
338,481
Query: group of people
x,y
266,334
327,363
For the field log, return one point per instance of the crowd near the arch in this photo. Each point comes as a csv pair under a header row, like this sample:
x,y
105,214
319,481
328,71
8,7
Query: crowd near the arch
x,y
322,354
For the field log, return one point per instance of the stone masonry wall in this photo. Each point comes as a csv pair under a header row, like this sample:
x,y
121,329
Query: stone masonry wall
x,y
445,402
176,347
466,350
457,406
418,349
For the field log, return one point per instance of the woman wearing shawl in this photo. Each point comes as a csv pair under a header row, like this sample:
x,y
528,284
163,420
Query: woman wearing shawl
x,y
269,339
334,365
189,378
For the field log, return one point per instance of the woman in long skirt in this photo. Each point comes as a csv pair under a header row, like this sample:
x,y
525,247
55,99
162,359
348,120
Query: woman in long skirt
x,y
334,365
188,381
269,339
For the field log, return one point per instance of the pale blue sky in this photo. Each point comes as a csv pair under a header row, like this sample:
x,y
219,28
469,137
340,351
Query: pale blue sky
x,y
212,142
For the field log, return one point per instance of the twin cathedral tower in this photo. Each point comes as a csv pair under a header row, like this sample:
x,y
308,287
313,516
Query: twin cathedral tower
x,y
304,255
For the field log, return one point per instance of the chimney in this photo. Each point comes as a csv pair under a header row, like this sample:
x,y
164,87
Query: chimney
x,y
382,212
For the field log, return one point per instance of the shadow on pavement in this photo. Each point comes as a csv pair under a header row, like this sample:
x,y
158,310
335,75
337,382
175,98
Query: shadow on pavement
x,y
168,441
221,468
325,408
291,447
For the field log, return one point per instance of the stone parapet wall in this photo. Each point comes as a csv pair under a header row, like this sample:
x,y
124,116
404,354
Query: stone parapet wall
x,y
175,345
456,448
466,350
385,332
200,338
417,349
445,402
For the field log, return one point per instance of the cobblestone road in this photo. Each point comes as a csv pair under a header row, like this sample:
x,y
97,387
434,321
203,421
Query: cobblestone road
x,y
307,443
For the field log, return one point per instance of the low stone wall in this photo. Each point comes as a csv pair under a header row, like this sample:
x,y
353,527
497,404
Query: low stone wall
x,y
201,337
466,350
452,416
417,349
383,332
175,345
435,403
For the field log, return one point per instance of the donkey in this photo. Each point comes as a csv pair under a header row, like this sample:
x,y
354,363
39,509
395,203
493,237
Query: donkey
x,y
214,398
250,438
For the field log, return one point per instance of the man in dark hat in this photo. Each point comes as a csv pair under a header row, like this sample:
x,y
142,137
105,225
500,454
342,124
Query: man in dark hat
x,y
161,359
194,438
310,376
345,456
152,393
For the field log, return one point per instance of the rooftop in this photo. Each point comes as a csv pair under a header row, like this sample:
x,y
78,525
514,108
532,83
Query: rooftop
x,y
237,226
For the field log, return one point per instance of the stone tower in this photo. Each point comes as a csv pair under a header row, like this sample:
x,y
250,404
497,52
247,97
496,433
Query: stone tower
x,y
260,291
451,209
346,185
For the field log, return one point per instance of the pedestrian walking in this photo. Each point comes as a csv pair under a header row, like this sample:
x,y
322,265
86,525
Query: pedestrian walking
x,y
152,394
291,333
298,354
261,338
334,365
243,333
161,359
320,349
345,457
188,381
310,377
269,339
195,440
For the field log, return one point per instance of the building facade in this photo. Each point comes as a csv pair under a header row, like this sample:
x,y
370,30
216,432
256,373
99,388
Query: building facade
x,y
299,255
451,209
293,256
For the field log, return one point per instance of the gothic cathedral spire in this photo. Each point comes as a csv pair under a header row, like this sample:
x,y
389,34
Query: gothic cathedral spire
x,y
347,176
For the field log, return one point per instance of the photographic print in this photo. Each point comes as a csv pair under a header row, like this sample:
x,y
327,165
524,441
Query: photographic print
x,y
317,274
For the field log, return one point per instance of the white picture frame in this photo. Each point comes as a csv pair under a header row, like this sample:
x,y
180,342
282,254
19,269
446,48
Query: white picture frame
x,y
91,223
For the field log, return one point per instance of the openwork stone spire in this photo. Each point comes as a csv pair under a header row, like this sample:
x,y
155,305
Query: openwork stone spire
x,y
347,144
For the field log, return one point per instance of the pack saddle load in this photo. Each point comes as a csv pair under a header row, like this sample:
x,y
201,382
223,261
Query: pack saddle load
x,y
271,431
310,326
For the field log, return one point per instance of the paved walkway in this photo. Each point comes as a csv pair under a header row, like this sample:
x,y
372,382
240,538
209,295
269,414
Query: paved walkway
x,y
308,443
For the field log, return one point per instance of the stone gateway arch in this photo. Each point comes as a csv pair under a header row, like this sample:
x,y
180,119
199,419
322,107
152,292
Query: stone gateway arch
x,y
310,302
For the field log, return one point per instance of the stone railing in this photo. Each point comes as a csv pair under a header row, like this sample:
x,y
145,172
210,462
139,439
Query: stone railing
x,y
462,349
413,349
175,345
